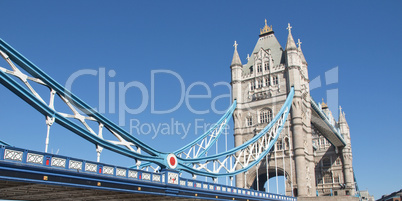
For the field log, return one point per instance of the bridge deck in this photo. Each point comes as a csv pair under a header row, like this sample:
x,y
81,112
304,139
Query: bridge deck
x,y
320,120
31,175
12,190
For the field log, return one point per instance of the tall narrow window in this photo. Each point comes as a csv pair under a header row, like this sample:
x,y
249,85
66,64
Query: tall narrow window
x,y
267,81
263,117
251,70
286,143
266,65
259,68
259,83
275,80
269,116
279,145
249,121
252,85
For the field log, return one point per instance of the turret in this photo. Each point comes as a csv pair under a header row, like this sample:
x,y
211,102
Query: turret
x,y
236,69
347,154
343,125
293,61
301,134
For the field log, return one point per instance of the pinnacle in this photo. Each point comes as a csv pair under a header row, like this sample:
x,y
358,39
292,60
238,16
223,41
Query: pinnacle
x,y
236,59
290,45
303,59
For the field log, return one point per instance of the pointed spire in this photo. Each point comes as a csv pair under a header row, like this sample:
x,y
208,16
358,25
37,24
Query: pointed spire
x,y
303,59
290,45
236,59
342,118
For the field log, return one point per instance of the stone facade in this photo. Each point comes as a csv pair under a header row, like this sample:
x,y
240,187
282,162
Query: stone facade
x,y
310,164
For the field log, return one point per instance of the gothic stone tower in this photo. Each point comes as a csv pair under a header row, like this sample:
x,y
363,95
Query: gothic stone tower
x,y
260,87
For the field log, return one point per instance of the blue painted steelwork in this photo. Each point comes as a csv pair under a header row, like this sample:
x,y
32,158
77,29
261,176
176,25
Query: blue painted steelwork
x,y
222,123
24,94
47,111
282,114
4,143
16,160
157,157
215,130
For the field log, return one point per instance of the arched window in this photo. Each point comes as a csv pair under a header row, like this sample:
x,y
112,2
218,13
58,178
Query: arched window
x,y
265,116
286,143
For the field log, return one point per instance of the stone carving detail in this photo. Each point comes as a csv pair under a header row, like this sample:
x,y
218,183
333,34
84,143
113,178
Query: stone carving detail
x,y
237,115
296,104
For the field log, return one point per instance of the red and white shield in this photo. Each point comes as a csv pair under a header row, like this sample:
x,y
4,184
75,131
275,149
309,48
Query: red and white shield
x,y
172,161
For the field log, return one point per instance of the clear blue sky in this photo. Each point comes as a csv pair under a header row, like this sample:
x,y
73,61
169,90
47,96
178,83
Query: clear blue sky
x,y
194,39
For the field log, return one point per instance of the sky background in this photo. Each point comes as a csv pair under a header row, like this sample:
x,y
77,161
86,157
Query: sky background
x,y
129,40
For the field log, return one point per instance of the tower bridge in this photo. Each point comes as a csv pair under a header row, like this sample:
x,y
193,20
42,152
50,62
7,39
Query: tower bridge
x,y
260,87
278,130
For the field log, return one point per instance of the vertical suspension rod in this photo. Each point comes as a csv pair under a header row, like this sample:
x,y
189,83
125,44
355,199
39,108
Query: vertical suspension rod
x,y
276,169
283,163
49,120
267,164
226,149
258,183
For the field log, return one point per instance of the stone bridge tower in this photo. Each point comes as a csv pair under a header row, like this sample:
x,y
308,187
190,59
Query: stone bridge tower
x,y
309,162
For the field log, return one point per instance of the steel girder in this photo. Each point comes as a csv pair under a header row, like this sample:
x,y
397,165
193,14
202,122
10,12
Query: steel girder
x,y
244,156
